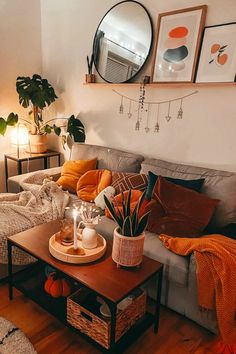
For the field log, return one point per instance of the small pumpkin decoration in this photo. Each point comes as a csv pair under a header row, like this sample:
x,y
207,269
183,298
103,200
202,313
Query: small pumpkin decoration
x,y
57,287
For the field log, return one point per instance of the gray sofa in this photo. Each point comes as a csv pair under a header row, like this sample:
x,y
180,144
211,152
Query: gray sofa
x,y
179,285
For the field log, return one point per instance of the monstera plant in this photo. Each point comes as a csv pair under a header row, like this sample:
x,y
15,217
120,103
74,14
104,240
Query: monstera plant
x,y
37,93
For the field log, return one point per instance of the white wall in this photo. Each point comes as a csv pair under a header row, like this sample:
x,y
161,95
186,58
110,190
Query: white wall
x,y
206,135
20,43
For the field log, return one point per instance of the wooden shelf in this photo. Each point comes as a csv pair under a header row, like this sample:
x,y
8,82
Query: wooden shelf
x,y
164,84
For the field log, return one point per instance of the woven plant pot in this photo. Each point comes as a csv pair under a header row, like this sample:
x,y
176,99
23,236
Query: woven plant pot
x,y
90,78
127,251
38,143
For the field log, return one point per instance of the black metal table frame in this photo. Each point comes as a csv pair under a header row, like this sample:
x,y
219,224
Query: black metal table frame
x,y
112,305
30,158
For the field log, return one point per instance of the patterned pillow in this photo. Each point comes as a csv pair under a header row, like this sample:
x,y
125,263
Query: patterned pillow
x,y
122,181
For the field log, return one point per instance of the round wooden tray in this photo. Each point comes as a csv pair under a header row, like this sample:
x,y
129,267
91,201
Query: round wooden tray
x,y
82,255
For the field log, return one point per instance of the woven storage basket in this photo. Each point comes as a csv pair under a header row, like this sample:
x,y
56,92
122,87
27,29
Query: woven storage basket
x,y
127,251
97,327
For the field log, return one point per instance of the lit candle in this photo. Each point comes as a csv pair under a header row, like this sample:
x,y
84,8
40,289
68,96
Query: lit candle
x,y
75,213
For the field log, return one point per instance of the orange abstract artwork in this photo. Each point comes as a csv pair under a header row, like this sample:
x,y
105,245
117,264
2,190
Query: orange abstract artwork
x,y
217,54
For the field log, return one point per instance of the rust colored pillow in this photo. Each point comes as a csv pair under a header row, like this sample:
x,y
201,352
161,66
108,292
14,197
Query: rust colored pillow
x,y
172,225
123,181
135,195
71,172
187,212
92,183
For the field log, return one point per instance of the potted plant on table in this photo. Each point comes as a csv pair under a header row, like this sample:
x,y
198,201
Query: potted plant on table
x,y
39,93
129,235
90,77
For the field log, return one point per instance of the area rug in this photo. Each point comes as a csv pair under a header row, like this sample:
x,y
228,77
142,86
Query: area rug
x,y
13,340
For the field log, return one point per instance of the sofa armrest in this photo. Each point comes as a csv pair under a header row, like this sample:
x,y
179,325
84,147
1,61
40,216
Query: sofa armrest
x,y
14,181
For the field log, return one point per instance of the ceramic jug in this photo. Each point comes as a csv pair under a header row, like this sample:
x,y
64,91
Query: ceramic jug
x,y
89,235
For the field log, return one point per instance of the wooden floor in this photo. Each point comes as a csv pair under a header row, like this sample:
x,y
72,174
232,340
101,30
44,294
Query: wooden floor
x,y
177,335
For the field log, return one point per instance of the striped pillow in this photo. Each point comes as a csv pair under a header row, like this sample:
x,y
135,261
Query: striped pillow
x,y
123,181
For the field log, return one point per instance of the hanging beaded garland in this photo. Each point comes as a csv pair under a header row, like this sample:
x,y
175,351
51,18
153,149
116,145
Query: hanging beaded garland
x,y
157,126
145,107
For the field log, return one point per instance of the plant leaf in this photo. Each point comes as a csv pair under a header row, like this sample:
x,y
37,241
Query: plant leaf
x,y
12,119
142,224
3,126
128,210
134,221
76,130
140,202
111,209
123,205
127,227
47,128
57,130
36,90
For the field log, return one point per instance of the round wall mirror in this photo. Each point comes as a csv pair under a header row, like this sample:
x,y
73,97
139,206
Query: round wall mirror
x,y
122,42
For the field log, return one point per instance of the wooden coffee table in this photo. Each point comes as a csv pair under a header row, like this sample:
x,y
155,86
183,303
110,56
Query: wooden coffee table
x,y
102,277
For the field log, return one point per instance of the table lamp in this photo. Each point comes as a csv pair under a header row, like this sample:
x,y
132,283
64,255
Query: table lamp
x,y
19,137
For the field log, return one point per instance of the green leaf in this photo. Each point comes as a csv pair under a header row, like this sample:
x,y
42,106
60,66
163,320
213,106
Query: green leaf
x,y
127,227
134,221
76,130
3,126
142,224
12,119
57,130
36,90
47,129
111,209
128,202
140,201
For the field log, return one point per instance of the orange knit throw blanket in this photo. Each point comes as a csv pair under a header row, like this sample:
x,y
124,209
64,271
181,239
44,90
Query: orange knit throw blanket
x,y
216,276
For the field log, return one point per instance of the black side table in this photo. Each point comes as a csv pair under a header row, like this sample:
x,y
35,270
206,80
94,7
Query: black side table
x,y
25,156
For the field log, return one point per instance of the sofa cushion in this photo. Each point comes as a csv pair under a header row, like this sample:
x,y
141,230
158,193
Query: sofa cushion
x,y
71,172
123,181
187,212
218,185
108,158
175,266
92,183
193,184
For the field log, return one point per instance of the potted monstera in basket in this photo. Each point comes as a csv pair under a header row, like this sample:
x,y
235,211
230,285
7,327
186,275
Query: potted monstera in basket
x,y
129,235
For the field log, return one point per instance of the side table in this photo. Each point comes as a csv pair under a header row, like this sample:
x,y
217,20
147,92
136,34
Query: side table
x,y
25,156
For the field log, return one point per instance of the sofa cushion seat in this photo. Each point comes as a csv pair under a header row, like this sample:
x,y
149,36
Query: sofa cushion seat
x,y
175,266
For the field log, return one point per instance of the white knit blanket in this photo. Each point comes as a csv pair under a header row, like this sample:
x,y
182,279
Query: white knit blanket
x,y
40,202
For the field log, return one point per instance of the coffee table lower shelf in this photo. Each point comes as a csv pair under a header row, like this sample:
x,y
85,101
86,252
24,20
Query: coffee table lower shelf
x,y
102,278
30,282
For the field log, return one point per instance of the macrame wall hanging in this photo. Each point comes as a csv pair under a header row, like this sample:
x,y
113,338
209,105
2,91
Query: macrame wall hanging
x,y
139,108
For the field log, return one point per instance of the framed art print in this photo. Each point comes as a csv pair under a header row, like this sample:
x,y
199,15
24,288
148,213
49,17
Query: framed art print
x,y
217,61
177,44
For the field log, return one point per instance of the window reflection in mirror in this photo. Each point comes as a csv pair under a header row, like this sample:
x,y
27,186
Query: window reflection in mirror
x,y
122,42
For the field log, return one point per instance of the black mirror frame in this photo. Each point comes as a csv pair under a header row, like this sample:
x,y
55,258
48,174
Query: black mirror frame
x,y
151,41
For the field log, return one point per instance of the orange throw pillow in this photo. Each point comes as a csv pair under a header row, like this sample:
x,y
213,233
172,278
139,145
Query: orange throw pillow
x,y
135,195
187,212
71,172
92,183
